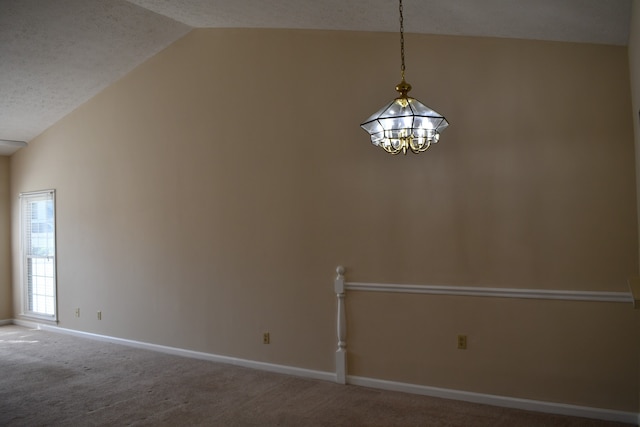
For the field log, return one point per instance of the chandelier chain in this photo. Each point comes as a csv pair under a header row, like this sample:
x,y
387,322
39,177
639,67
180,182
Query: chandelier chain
x,y
401,39
404,125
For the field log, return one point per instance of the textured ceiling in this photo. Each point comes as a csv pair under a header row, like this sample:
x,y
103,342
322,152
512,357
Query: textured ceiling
x,y
57,54
590,21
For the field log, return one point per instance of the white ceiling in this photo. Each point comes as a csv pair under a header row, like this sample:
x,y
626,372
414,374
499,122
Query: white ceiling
x,y
57,54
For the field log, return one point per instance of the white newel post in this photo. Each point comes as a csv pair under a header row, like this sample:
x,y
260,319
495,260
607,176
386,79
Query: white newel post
x,y
341,353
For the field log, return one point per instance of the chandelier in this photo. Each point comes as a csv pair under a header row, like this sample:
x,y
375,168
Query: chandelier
x,y
405,123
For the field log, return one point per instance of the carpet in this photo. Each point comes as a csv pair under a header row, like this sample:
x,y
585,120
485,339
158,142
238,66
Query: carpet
x,y
54,379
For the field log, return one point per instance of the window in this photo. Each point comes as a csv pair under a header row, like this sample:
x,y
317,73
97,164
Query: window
x,y
38,227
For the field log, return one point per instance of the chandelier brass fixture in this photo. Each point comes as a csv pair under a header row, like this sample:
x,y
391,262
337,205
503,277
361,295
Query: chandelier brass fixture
x,y
405,124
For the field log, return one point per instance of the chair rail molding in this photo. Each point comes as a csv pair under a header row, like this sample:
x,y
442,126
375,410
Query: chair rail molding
x,y
593,296
341,286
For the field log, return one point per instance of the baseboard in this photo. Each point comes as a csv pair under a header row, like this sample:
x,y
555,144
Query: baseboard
x,y
486,399
502,401
263,366
6,322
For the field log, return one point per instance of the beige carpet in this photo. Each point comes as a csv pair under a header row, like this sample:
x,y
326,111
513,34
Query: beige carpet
x,y
53,379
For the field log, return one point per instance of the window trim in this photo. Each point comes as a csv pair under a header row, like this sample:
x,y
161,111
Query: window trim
x,y
24,307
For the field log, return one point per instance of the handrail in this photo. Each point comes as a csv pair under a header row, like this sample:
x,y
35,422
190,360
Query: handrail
x,y
341,286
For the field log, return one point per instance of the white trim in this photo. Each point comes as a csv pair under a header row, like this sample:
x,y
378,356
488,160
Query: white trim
x,y
634,289
263,366
12,143
36,192
466,396
341,352
34,319
593,296
503,401
48,194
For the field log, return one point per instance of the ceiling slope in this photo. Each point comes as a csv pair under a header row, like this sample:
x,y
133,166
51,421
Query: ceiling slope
x,y
57,54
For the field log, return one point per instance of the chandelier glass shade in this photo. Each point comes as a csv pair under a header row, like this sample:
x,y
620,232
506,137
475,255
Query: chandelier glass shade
x,y
405,124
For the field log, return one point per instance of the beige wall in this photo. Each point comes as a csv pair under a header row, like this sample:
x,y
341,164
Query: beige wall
x,y
634,68
208,196
6,309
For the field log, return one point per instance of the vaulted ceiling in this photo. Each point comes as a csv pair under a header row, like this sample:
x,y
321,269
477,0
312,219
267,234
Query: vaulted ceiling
x,y
57,54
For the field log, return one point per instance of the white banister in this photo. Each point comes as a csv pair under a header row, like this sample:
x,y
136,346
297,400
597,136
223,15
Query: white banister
x,y
341,353
473,291
341,286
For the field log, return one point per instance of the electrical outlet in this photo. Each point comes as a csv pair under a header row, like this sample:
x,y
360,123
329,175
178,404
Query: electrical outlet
x,y
462,342
266,339
99,315
77,312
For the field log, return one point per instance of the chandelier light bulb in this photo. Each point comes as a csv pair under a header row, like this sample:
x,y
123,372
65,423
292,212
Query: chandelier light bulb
x,y
405,124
